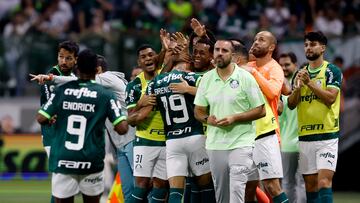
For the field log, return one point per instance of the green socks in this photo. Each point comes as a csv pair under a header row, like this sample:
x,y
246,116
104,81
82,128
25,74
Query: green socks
x,y
282,198
138,195
326,195
312,197
158,195
176,195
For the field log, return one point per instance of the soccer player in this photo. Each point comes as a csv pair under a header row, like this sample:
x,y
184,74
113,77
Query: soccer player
x,y
292,183
229,100
149,144
116,82
269,75
77,151
185,140
201,63
67,54
316,95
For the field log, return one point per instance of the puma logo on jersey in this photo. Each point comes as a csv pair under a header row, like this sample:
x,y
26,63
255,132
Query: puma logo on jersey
x,y
74,164
82,92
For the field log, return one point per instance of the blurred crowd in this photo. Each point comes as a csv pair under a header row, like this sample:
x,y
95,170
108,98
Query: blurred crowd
x,y
238,18
81,20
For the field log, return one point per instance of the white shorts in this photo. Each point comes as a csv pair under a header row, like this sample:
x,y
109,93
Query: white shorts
x,y
150,162
267,158
186,156
316,155
66,185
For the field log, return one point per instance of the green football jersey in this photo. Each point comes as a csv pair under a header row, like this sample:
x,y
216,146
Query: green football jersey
x,y
81,108
150,132
45,91
177,110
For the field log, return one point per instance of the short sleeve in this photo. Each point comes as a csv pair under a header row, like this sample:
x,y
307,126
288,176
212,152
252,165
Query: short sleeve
x,y
192,79
114,113
333,76
133,93
51,106
200,97
150,87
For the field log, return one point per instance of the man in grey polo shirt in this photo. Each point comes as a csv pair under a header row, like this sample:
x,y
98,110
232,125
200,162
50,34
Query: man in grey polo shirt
x,y
229,100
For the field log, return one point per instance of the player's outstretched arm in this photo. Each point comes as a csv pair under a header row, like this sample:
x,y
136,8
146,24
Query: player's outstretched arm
x,y
40,78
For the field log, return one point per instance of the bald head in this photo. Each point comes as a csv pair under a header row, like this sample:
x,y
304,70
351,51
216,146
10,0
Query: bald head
x,y
264,44
269,36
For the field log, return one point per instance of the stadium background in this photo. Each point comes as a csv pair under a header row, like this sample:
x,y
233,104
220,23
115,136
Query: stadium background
x,y
31,29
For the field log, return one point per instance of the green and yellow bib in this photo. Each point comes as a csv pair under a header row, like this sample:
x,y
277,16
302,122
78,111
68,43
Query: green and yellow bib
x,y
313,115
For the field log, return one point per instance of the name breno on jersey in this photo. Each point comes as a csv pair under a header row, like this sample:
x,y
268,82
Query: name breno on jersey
x,y
162,90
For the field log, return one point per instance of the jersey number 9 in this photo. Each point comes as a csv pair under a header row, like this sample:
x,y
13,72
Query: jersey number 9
x,y
79,130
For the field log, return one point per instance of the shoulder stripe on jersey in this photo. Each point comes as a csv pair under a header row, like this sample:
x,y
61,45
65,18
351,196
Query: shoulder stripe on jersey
x,y
119,120
333,86
44,114
130,106
58,70
198,81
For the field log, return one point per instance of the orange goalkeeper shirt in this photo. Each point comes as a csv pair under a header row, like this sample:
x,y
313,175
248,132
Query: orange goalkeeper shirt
x,y
270,78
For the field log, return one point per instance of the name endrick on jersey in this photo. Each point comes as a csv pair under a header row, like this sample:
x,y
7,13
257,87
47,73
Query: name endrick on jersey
x,y
76,106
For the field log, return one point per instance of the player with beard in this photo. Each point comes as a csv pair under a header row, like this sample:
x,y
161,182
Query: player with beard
x,y
229,100
201,63
78,146
149,144
267,157
67,55
316,95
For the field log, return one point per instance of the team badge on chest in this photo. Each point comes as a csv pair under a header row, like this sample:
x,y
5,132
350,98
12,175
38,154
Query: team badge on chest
x,y
234,84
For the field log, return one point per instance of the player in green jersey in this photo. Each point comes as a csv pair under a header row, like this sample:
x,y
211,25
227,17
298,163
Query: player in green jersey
x,y
149,145
77,151
316,95
67,54
185,140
